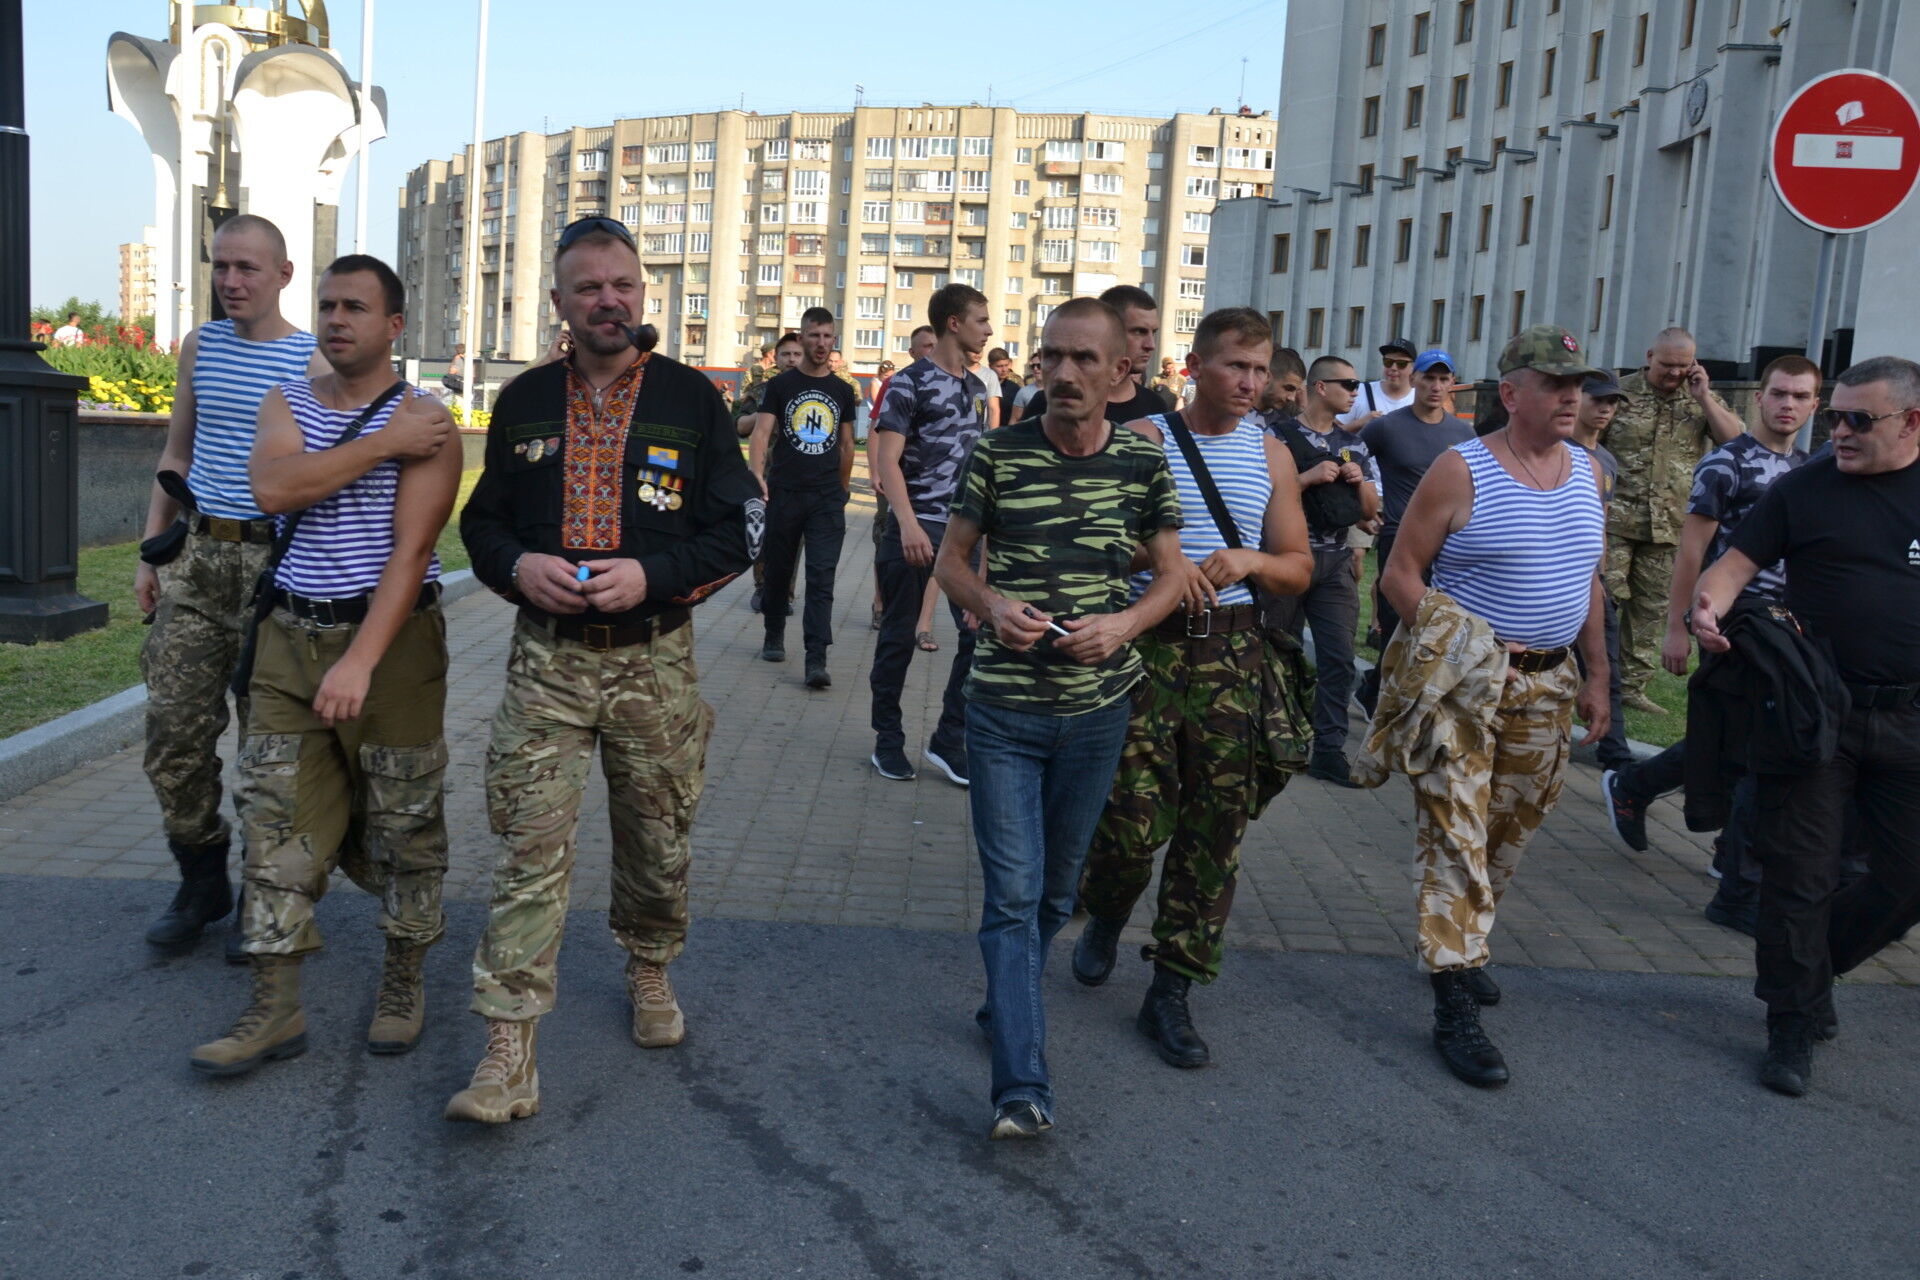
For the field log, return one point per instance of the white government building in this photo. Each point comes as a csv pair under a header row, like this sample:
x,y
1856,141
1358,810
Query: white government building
x,y
1451,171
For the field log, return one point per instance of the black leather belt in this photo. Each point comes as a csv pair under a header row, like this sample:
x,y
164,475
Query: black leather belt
x,y
1534,661
341,613
1217,621
603,636
224,529
1885,697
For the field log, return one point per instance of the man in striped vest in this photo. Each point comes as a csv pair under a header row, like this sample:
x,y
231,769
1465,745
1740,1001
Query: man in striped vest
x,y
1512,527
1187,771
196,591
344,757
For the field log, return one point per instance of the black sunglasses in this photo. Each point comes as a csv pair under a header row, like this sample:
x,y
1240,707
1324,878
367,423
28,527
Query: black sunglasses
x,y
571,233
1858,421
1351,384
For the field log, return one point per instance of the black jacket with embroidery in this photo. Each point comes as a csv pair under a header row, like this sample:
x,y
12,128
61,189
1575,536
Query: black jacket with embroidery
x,y
679,431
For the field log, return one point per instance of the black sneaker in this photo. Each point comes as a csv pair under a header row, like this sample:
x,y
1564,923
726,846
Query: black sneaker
x,y
1741,917
1628,815
892,763
951,761
1018,1120
1788,1066
1332,767
773,651
817,677
753,601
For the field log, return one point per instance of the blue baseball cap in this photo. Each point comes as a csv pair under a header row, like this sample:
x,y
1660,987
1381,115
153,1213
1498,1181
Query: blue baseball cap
x,y
1434,356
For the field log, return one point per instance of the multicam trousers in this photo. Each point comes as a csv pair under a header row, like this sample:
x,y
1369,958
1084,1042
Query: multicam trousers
x,y
365,795
1638,576
187,659
1186,776
641,703
1475,815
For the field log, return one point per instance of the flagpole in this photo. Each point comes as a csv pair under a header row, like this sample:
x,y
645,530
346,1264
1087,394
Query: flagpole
x,y
366,145
470,327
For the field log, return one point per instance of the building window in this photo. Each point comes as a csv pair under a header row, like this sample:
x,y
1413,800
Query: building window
x,y
1282,254
1196,289
1486,229
1356,326
1686,23
810,211
1370,117
769,273
1403,243
1457,106
1186,321
703,151
1507,20
1547,61
592,161
976,146
1503,97
1416,105
1201,223
1397,317
1193,255
1436,321
1056,251
1477,317
1104,184
871,338
1202,188
1377,46
1519,312
1061,217
1599,303
1463,22
628,155
874,274
1277,321
1316,327
1454,156
1422,31
1203,155
1114,151
1362,244
879,148
1526,220
703,180
1640,40
1107,216
1366,179
1100,251
1443,236
1016,284
1596,54
1322,249
1606,204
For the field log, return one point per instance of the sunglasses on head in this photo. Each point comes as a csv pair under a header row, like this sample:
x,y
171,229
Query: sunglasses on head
x,y
1858,421
571,233
1351,384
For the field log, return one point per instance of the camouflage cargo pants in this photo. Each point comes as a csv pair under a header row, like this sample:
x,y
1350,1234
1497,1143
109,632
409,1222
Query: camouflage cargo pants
x,y
1186,775
641,703
1638,577
365,795
187,660
1475,815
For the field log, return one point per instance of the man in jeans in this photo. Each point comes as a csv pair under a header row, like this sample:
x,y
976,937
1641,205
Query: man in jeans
x,y
934,410
1063,501
1327,454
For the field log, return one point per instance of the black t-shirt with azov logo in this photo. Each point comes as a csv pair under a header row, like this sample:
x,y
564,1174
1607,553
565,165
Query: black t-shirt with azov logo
x,y
1852,549
807,413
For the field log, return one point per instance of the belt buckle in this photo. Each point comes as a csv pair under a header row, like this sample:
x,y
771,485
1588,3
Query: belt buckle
x,y
224,528
587,638
1206,614
314,608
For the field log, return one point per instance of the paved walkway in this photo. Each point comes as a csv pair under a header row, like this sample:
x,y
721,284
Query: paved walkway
x,y
796,826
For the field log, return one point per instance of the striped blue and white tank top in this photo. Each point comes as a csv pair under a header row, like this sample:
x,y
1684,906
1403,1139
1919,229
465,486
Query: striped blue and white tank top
x,y
1526,557
1237,462
343,542
231,376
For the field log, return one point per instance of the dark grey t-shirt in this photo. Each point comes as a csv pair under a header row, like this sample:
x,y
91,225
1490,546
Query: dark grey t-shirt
x,y
940,416
1403,447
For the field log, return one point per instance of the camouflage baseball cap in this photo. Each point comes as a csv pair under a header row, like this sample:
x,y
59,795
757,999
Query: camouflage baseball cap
x,y
1549,349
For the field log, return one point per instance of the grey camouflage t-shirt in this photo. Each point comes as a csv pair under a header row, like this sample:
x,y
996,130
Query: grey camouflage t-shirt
x,y
1726,486
940,416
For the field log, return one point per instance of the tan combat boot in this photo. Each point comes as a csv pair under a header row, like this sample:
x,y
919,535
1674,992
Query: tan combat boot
x,y
400,1007
272,1026
506,1084
657,1021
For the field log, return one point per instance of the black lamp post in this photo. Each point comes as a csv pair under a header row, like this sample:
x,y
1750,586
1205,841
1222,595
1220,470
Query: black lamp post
x,y
39,411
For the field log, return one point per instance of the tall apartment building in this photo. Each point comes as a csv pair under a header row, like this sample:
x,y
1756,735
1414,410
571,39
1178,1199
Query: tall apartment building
x,y
745,220
139,286
1454,170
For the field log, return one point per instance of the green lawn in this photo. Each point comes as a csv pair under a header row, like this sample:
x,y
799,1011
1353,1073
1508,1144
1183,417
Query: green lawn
x,y
1669,691
48,680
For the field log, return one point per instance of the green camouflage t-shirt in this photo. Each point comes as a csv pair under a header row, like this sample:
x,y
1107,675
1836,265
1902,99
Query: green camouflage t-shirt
x,y
1060,533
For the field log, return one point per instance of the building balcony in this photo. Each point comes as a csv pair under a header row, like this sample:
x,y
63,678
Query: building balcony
x,y
1053,268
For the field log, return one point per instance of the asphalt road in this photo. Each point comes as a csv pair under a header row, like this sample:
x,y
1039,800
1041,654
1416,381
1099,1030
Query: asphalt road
x,y
826,1116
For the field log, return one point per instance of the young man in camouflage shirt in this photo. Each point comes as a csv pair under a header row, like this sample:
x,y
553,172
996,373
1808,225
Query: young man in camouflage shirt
x,y
1063,501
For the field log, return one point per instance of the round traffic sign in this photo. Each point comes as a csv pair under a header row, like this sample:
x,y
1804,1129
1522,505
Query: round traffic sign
x,y
1845,151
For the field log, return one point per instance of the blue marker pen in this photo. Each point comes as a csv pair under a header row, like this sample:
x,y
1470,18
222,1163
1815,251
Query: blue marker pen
x,y
582,574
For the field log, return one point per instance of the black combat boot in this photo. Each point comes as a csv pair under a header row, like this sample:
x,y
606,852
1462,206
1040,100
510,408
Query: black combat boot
x,y
1164,1019
1788,1066
1093,954
203,897
1486,992
1463,1046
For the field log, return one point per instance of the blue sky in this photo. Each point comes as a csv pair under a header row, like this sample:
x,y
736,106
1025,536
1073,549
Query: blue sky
x,y
92,178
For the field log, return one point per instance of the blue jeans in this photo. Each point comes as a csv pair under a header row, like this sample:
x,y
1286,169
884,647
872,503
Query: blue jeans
x,y
1039,785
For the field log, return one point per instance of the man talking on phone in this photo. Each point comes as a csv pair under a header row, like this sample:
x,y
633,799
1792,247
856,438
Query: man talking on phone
x,y
1671,417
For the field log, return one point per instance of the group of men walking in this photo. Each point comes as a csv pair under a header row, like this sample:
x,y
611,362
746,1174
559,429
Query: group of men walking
x,y
1123,575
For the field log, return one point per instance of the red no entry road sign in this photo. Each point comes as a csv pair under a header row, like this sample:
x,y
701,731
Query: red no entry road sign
x,y
1846,151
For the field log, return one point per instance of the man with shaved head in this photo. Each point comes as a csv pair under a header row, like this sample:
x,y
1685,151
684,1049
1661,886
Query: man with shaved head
x,y
1670,418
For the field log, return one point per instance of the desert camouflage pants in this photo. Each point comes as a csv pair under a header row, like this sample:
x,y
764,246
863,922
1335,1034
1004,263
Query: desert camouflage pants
x,y
1474,816
1186,775
365,795
641,704
1639,576
187,660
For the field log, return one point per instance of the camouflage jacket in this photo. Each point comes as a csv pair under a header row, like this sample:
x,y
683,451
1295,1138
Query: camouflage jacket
x,y
1658,441
748,401
1440,692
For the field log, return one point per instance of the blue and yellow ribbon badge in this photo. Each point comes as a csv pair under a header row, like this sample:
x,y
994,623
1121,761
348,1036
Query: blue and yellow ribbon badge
x,y
660,456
